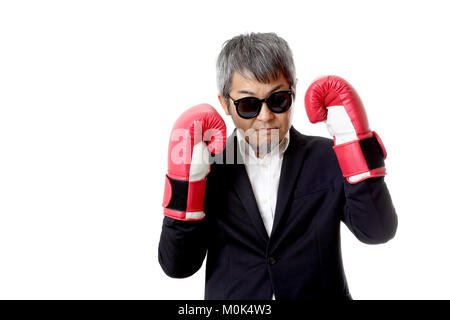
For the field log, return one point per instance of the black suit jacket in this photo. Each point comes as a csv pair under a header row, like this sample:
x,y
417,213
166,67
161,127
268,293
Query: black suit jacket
x,y
302,257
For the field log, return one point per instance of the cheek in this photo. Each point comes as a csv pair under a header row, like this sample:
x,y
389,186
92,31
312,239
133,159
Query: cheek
x,y
290,115
284,119
284,122
240,123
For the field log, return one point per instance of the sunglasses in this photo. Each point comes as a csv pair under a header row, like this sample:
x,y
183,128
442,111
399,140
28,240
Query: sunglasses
x,y
250,107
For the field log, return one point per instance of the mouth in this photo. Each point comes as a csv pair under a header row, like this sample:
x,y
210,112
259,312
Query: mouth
x,y
266,130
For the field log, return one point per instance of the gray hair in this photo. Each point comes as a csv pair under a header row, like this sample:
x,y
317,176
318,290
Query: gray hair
x,y
262,55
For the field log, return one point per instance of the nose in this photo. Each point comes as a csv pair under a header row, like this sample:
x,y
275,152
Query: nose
x,y
265,114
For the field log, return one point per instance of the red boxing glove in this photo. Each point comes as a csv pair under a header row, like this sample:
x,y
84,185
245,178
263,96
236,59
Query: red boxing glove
x,y
197,133
359,151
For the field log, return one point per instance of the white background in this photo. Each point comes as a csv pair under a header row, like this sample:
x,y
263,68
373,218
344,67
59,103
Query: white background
x,y
89,91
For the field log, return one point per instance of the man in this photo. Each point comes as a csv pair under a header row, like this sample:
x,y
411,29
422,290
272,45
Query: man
x,y
267,212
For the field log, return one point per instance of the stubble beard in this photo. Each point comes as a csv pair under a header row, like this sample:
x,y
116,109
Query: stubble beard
x,y
263,143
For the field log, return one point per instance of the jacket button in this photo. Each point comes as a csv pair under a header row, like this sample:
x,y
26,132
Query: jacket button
x,y
272,260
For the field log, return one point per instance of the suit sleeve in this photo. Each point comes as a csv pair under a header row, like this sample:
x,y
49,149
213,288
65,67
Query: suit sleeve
x,y
369,212
183,244
182,247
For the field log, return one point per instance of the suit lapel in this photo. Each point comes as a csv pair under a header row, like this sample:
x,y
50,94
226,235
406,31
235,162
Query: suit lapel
x,y
290,168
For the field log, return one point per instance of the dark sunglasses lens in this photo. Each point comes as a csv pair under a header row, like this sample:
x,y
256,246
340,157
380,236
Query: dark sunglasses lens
x,y
248,107
279,102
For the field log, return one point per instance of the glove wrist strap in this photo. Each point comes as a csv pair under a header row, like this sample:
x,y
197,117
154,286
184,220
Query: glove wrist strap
x,y
359,156
184,200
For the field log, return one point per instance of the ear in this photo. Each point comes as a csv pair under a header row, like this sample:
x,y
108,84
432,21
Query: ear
x,y
223,103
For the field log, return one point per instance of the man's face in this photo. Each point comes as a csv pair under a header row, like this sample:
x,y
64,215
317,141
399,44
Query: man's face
x,y
267,127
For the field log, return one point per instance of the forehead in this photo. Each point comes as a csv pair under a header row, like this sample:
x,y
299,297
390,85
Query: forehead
x,y
249,84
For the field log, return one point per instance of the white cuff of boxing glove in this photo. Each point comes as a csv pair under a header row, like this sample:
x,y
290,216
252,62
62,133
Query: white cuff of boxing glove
x,y
339,125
